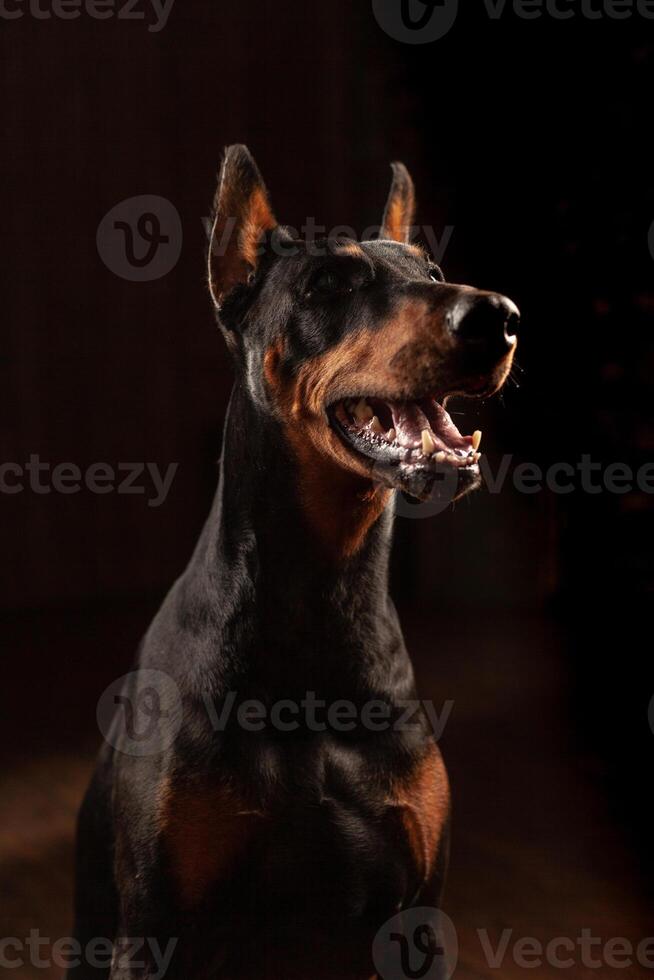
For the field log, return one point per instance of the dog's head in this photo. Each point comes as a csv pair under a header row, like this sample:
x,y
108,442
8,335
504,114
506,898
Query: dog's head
x,y
355,347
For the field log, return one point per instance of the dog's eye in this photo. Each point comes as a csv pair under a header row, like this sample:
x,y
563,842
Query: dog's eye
x,y
326,281
435,274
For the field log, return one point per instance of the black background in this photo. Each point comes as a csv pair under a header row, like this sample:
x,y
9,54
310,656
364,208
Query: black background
x,y
530,138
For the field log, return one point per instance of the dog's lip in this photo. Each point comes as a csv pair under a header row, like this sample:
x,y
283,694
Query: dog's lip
x,y
415,432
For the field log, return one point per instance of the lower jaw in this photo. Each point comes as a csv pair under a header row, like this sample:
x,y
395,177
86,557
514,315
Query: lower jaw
x,y
427,482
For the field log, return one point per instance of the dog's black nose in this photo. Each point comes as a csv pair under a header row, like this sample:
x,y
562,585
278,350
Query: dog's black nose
x,y
486,323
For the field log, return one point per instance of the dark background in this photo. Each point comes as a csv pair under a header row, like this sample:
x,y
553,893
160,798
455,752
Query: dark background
x,y
532,140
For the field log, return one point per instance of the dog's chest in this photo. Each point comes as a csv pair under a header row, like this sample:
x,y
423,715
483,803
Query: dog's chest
x,y
330,837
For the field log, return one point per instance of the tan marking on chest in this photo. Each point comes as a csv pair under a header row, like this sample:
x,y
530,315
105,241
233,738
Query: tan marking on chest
x,y
425,800
206,830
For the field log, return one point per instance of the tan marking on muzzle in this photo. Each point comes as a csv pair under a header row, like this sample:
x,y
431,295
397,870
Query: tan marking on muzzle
x,y
393,360
339,496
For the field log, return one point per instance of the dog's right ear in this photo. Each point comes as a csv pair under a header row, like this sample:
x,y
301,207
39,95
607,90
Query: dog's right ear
x,y
400,208
242,215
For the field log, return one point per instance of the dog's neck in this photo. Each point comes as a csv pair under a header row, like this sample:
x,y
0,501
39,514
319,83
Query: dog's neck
x,y
262,561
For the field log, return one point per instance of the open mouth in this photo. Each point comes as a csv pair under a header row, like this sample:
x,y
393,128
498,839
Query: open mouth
x,y
410,442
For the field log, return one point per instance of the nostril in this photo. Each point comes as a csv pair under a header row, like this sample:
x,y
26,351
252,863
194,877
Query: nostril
x,y
511,326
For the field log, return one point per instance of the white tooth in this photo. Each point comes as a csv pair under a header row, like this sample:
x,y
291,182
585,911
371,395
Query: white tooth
x,y
363,411
428,444
476,439
375,425
440,457
391,435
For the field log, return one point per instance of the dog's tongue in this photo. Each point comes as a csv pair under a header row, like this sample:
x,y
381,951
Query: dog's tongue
x,y
412,419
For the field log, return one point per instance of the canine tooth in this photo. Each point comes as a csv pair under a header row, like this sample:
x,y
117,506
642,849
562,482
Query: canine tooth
x,y
441,457
375,425
391,435
428,444
363,411
476,439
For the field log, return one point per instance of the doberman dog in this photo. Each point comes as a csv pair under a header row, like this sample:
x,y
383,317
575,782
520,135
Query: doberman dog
x,y
278,849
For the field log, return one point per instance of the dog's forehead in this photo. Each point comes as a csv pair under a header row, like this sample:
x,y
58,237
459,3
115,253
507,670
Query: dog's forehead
x,y
396,254
380,253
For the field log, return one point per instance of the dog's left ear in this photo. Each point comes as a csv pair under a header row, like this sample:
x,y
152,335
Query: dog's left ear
x,y
400,207
242,215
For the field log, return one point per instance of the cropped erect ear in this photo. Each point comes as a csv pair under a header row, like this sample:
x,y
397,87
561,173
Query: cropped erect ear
x,y
400,207
242,214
